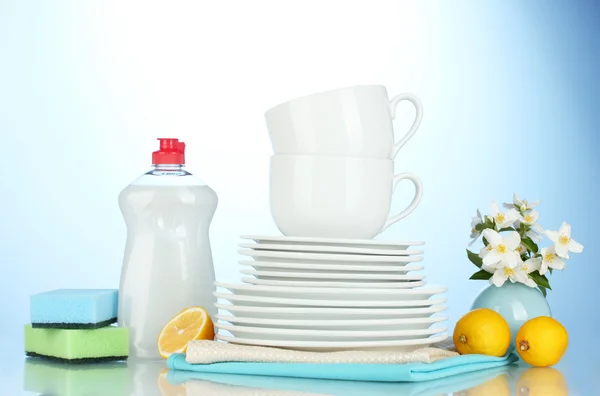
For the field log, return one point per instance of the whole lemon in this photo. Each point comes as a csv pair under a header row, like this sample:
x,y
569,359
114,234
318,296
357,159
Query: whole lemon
x,y
482,331
542,341
542,381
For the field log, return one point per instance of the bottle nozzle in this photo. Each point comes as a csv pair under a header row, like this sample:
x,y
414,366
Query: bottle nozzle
x,y
171,151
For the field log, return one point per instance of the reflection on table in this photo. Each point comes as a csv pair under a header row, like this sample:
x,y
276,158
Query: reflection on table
x,y
150,378
522,380
61,379
50,378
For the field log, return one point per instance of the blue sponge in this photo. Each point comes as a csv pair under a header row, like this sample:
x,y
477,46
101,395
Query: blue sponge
x,y
74,308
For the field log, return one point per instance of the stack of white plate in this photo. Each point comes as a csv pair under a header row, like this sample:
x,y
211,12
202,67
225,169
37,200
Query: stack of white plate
x,y
330,294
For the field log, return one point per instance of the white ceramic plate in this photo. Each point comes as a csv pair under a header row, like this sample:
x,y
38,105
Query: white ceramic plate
x,y
389,301
282,247
340,324
310,276
343,285
320,313
331,346
354,243
337,294
263,333
299,267
324,258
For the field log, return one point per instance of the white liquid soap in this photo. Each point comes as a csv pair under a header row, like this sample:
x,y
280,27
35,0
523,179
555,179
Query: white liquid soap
x,y
167,265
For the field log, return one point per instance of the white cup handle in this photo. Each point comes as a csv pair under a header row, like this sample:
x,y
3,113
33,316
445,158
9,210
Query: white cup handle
x,y
419,116
415,202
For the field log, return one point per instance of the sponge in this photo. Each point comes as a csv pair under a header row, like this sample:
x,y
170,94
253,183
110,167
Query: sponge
x,y
74,308
78,346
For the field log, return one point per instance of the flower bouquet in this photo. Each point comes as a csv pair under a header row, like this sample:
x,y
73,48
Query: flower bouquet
x,y
511,252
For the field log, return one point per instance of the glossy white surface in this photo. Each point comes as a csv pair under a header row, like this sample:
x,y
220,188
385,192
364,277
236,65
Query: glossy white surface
x,y
361,277
330,268
341,284
329,324
334,242
326,258
391,301
399,345
34,377
330,313
335,197
329,249
350,121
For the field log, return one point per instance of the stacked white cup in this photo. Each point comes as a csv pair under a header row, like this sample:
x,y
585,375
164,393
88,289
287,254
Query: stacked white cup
x,y
332,172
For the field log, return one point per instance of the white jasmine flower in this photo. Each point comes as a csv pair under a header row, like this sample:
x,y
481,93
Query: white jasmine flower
x,y
489,269
504,272
535,233
503,219
503,249
521,204
521,249
530,217
474,222
563,244
485,250
550,260
533,264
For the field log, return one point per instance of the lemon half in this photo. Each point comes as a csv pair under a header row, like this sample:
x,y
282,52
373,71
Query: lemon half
x,y
192,323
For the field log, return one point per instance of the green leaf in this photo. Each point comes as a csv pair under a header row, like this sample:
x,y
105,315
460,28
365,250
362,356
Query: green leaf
x,y
529,244
489,223
474,258
541,280
507,229
481,275
543,290
550,269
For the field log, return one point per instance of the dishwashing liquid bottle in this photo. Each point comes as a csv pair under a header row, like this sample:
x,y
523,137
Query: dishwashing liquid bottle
x,y
167,265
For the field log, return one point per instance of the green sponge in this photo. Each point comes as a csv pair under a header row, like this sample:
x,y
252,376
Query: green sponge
x,y
78,346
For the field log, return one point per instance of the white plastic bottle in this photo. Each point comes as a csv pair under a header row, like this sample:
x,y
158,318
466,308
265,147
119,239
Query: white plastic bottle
x,y
167,264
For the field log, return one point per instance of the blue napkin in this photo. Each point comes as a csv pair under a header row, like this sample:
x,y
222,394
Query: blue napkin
x,y
413,372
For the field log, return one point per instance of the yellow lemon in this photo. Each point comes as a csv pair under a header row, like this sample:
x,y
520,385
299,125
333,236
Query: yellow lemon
x,y
542,381
542,341
482,331
190,324
497,386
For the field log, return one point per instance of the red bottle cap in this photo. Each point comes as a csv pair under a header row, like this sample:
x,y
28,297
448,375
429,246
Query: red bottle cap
x,y
171,152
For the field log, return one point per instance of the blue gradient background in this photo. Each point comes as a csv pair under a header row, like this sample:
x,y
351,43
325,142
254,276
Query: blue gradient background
x,y
511,100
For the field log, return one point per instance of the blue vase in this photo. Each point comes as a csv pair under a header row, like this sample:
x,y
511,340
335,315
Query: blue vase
x,y
516,302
